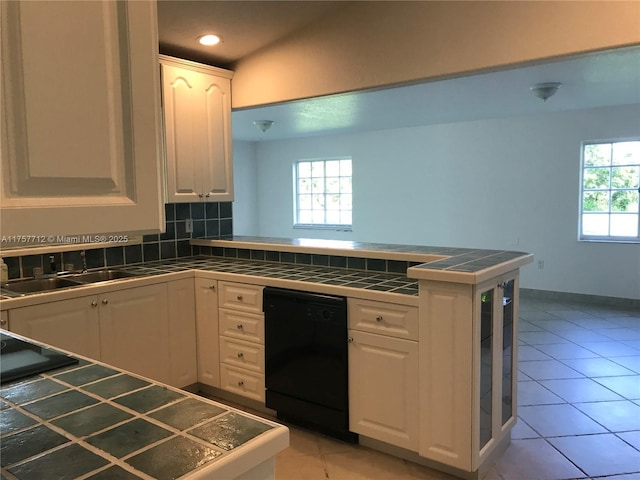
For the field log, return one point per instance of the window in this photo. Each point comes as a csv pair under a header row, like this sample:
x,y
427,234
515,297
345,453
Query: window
x,y
323,193
610,191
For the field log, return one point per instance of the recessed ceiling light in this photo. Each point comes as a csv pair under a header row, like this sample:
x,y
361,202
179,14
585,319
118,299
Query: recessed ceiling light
x,y
209,39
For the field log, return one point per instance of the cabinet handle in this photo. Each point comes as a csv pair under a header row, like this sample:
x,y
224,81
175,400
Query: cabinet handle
x,y
200,195
378,318
240,383
212,287
208,195
3,322
350,340
94,304
239,297
105,301
240,355
239,326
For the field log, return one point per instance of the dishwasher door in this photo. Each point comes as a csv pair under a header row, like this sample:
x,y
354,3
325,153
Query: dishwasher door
x,y
306,369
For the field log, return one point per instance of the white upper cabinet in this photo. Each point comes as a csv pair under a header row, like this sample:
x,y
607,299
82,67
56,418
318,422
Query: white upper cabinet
x,y
82,131
197,120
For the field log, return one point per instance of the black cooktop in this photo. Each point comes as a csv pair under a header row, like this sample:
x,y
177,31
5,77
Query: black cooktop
x,y
19,359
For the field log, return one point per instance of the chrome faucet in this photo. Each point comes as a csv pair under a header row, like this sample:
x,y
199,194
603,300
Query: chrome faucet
x,y
83,255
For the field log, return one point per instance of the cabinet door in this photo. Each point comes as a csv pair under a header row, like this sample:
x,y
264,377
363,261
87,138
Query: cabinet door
x,y
68,324
383,388
81,137
496,311
446,373
134,331
207,332
182,331
197,118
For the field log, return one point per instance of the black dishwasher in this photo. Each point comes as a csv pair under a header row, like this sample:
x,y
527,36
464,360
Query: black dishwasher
x,y
306,369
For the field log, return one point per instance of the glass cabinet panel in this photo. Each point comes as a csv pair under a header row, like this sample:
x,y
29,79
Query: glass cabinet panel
x,y
507,351
486,365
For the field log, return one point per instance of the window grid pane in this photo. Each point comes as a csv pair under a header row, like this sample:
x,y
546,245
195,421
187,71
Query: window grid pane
x,y
323,192
610,200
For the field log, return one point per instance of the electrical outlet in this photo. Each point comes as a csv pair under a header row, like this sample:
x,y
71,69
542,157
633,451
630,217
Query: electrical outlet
x,y
540,264
188,225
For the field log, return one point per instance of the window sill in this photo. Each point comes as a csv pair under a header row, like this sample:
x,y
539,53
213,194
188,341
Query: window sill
x,y
634,241
337,228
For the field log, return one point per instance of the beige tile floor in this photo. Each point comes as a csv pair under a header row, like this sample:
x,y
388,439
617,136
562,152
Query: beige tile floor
x,y
578,407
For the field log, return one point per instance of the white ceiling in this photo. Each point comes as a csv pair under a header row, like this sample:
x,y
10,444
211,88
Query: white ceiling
x,y
594,80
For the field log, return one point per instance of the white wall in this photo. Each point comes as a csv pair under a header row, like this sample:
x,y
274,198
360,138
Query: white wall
x,y
505,184
245,184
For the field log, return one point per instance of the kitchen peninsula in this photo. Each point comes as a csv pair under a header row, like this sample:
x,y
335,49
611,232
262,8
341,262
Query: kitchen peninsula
x,y
434,325
91,418
456,357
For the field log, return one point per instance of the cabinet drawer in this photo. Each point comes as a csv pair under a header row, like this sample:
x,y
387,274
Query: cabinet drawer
x,y
246,326
389,319
242,354
242,382
239,296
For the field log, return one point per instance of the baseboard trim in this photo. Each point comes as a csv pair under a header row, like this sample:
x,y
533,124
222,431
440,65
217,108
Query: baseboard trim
x,y
616,302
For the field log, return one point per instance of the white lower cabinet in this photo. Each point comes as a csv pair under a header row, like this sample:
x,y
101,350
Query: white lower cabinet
x,y
206,296
134,331
148,330
241,330
383,388
182,332
242,382
68,324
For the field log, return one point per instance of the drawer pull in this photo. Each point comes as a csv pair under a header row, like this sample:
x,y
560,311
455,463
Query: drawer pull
x,y
94,304
105,301
239,298
240,355
378,318
239,326
212,287
240,383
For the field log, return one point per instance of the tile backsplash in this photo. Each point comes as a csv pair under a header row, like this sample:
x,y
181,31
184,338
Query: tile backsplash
x,y
211,220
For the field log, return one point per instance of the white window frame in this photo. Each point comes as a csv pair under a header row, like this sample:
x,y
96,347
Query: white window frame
x,y
342,194
583,167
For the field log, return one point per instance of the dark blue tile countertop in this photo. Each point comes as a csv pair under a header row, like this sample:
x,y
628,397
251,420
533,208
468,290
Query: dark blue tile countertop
x,y
461,265
380,281
96,422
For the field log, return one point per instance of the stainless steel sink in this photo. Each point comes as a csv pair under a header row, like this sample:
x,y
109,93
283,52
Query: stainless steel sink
x,y
40,285
101,276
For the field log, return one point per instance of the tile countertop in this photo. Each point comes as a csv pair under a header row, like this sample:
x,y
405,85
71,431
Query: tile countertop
x,y
448,264
322,279
97,422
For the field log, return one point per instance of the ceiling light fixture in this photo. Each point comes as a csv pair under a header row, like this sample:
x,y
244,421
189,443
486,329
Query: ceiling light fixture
x,y
545,90
209,39
263,125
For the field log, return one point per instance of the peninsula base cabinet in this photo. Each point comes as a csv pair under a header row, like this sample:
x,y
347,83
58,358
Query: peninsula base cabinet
x,y
383,388
131,329
468,352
